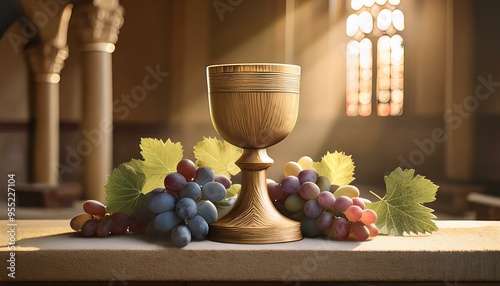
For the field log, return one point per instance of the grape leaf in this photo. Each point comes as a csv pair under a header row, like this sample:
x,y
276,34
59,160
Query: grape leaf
x,y
123,191
218,155
401,210
160,159
337,167
234,190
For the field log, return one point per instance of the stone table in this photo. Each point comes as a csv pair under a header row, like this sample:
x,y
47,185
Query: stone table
x,y
49,250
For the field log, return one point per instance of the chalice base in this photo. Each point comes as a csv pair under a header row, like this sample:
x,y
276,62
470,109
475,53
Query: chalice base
x,y
253,218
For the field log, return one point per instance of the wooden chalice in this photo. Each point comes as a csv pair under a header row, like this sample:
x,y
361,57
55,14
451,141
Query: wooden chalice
x,y
254,106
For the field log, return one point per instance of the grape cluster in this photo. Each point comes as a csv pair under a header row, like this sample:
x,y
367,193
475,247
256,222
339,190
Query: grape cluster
x,y
322,208
184,208
96,221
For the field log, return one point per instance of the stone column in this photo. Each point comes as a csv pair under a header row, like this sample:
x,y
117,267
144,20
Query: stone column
x,y
99,24
459,114
46,54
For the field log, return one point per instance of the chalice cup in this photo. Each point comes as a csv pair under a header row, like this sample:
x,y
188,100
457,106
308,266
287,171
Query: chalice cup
x,y
254,106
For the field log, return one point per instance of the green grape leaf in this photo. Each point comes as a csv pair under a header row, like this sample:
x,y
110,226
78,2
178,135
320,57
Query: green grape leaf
x,y
123,191
160,159
337,167
218,155
401,210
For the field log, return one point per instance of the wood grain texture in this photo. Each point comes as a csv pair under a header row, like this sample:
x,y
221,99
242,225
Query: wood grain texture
x,y
254,106
253,218
253,119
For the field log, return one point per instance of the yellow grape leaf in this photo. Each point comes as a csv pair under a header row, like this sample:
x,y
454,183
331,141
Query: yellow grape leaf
x,y
159,159
401,210
234,190
218,155
337,167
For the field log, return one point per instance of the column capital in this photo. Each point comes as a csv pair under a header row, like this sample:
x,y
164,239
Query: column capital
x,y
47,51
46,61
98,25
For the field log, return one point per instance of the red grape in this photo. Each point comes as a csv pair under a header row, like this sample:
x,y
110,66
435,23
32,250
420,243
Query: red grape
x,y
187,168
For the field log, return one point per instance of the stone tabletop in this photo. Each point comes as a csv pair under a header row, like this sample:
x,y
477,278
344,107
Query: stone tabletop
x,y
49,250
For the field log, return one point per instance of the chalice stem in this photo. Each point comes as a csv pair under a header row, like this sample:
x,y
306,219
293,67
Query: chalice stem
x,y
253,164
253,218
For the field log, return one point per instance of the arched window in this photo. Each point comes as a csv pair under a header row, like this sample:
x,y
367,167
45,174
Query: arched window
x,y
374,25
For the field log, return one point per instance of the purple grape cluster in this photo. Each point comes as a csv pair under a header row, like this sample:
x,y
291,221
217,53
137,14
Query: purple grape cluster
x,y
323,209
96,221
185,207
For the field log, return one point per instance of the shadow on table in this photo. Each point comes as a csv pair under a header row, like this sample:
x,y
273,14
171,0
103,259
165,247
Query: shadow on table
x,y
74,240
